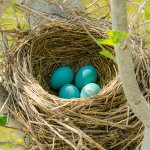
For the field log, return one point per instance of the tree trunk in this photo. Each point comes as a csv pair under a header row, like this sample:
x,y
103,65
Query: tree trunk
x,y
126,69
146,140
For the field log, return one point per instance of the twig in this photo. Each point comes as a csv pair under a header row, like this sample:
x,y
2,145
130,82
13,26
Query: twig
x,y
4,42
82,134
93,3
13,128
18,23
4,103
128,114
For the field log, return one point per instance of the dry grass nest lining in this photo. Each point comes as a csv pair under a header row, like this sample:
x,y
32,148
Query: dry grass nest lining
x,y
100,122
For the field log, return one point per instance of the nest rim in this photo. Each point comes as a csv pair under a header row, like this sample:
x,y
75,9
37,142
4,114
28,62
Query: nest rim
x,y
108,101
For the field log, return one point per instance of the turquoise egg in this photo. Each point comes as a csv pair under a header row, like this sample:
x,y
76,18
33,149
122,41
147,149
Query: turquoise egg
x,y
90,90
61,76
85,75
69,91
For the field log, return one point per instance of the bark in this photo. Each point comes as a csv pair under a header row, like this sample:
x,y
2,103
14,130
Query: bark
x,y
126,69
146,140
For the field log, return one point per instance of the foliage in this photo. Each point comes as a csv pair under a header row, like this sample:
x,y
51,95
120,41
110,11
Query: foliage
x,y
96,9
3,120
108,42
9,135
13,18
107,54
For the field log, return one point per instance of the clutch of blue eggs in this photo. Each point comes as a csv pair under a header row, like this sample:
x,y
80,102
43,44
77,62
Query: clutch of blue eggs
x,y
69,85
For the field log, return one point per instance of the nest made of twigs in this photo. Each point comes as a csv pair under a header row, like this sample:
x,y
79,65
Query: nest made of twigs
x,y
103,121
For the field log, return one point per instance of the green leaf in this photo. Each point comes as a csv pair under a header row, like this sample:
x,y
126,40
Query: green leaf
x,y
3,120
115,36
107,54
108,42
25,26
147,10
147,14
124,34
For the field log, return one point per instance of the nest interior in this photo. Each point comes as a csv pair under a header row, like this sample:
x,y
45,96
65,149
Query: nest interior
x,y
98,122
74,48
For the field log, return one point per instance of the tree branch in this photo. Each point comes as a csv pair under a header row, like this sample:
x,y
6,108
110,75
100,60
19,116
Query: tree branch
x,y
126,69
3,93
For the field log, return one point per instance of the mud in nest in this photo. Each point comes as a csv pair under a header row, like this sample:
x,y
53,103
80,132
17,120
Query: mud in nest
x,y
103,121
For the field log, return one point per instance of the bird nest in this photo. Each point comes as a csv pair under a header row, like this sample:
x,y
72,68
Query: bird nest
x,y
104,121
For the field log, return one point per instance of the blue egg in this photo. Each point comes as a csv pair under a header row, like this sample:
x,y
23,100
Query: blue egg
x,y
85,75
90,90
61,76
69,91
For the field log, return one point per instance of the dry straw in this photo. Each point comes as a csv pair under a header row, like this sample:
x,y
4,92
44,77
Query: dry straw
x,y
101,122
